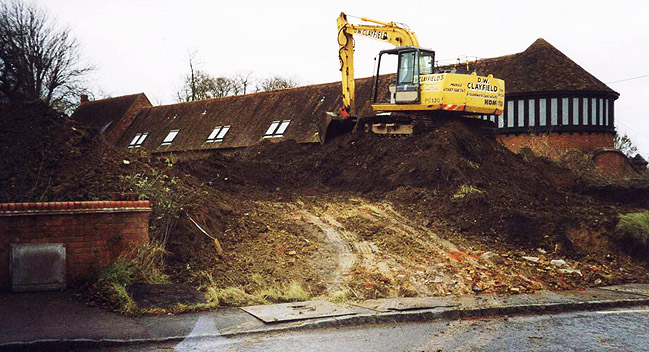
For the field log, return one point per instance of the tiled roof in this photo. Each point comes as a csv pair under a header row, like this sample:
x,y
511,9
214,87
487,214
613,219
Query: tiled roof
x,y
108,115
540,68
248,115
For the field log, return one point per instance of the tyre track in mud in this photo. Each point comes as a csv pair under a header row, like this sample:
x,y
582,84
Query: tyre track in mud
x,y
345,256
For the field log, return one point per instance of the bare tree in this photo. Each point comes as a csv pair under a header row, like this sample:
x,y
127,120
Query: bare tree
x,y
276,83
198,85
625,145
38,60
223,86
241,82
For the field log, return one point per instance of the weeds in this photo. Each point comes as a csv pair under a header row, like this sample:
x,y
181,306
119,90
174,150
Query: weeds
x,y
466,190
148,261
167,201
123,299
143,263
119,272
237,296
340,296
632,232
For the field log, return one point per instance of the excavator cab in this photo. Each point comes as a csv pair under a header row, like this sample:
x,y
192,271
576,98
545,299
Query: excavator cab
x,y
412,63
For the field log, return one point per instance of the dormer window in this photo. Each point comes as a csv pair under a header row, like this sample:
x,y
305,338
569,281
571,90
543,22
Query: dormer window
x,y
218,134
277,129
137,141
170,137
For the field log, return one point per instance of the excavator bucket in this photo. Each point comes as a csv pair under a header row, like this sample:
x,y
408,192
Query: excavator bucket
x,y
334,126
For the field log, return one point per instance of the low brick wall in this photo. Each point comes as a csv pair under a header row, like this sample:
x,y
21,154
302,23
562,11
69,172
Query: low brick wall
x,y
614,163
93,233
553,145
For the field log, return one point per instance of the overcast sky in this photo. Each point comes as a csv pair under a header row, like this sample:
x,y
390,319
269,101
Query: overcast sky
x,y
143,45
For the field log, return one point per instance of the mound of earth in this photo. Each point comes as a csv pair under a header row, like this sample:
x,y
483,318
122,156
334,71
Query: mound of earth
x,y
451,185
451,173
448,211
46,157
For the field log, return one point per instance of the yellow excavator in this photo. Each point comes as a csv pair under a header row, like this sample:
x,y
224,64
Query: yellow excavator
x,y
418,90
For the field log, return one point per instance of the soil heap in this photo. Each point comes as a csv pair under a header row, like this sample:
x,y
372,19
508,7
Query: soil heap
x,y
445,211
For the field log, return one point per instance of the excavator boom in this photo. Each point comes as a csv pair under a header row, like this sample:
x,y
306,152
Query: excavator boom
x,y
388,32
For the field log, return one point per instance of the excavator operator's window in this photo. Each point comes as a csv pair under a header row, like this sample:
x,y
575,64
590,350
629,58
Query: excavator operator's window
x,y
425,64
406,74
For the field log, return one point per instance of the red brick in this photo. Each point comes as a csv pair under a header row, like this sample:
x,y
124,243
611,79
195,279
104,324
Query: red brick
x,y
554,144
85,236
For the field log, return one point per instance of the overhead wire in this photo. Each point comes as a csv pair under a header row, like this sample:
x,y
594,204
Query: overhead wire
x,y
628,79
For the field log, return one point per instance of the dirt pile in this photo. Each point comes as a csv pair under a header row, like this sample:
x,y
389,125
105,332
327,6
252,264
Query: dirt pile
x,y
451,173
46,157
448,211
451,182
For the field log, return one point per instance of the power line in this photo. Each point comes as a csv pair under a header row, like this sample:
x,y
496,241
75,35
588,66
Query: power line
x,y
631,130
628,79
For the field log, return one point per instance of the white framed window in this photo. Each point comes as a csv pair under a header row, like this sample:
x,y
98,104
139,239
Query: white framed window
x,y
137,141
554,112
565,111
585,116
170,137
521,113
277,129
218,133
510,113
532,117
575,111
543,116
103,129
601,112
606,112
593,111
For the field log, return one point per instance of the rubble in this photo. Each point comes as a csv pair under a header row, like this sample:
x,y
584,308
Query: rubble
x,y
558,263
488,255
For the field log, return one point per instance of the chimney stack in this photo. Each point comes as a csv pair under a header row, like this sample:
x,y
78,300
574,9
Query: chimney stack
x,y
84,98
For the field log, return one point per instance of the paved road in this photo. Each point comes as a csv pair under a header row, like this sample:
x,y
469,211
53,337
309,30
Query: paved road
x,y
614,330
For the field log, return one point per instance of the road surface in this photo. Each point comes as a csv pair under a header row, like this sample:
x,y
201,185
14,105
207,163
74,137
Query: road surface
x,y
611,330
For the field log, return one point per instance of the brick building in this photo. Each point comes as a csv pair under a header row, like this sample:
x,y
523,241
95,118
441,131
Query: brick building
x,y
552,105
110,116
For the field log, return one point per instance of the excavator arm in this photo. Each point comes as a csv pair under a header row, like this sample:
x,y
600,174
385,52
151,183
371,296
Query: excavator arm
x,y
389,32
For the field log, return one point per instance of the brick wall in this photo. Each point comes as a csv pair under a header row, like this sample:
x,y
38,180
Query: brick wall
x,y
614,163
553,145
93,233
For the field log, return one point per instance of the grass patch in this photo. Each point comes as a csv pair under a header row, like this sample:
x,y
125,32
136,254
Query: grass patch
x,y
148,261
632,233
123,299
466,190
237,296
340,296
142,263
180,308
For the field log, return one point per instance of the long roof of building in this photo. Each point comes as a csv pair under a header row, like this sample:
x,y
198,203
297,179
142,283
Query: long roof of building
x,y
540,68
